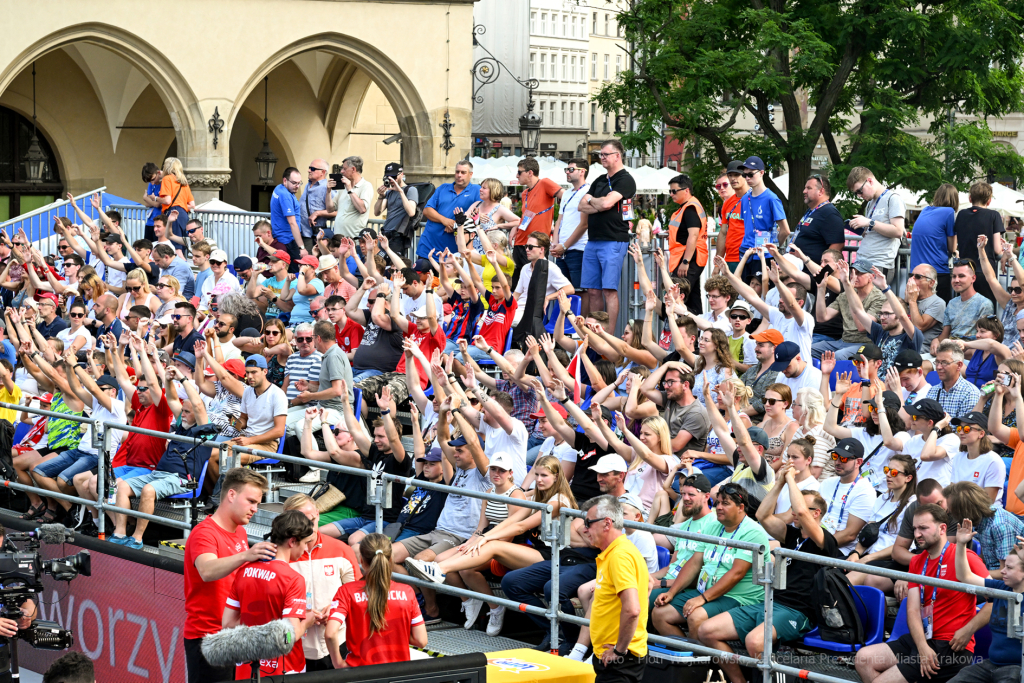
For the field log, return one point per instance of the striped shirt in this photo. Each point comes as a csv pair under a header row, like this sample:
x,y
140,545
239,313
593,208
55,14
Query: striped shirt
x,y
497,513
299,368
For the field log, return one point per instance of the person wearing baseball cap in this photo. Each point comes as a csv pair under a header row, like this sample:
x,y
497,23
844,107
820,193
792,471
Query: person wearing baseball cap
x,y
850,497
220,278
764,218
922,416
871,300
307,287
275,285
730,187
758,376
976,461
794,371
910,366
399,199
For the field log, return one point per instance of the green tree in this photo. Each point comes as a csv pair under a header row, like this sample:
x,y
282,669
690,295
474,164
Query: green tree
x,y
874,67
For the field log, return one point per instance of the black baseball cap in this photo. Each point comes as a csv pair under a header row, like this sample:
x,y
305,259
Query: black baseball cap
x,y
973,418
111,238
928,408
869,350
907,359
422,265
850,448
697,481
890,401
784,355
107,381
735,166
392,170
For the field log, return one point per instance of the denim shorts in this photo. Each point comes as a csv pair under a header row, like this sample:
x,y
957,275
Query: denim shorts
x,y
127,472
354,524
67,464
602,265
164,483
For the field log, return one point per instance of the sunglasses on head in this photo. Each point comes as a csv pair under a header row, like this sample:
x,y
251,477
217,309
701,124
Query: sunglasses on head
x,y
731,489
963,262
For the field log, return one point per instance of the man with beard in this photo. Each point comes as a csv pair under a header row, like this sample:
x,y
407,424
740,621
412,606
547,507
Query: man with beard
x,y
894,331
688,422
760,375
264,409
850,497
224,330
694,494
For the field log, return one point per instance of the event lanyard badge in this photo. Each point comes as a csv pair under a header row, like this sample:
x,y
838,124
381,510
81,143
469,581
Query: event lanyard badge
x,y
927,611
717,555
625,205
833,524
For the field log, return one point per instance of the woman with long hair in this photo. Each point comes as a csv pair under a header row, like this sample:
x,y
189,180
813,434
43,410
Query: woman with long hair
x,y
503,548
491,515
874,405
92,288
273,345
809,412
136,293
648,454
888,512
498,241
77,337
975,460
714,357
168,290
779,427
634,404
263,591
630,348
932,232
800,453
1008,409
382,618
176,196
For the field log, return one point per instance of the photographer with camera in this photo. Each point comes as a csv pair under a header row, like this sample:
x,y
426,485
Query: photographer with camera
x,y
9,627
400,201
181,462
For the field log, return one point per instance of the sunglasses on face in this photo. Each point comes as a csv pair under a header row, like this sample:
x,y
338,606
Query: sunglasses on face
x,y
272,333
721,186
571,170
587,523
1016,290
740,316
134,289
918,276
314,170
964,429
192,230
750,175
892,471
772,401
217,263
77,315
142,389
304,340
606,154
534,246
842,458
179,316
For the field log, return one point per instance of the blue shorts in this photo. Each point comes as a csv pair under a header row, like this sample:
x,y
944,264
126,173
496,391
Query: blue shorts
x,y
127,472
66,465
164,483
602,265
354,524
360,375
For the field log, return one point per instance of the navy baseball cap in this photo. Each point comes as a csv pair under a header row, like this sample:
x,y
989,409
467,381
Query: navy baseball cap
x,y
433,456
460,441
242,263
753,164
107,381
784,355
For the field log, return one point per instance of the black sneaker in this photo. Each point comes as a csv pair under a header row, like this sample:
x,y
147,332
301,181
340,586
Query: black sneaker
x,y
73,517
89,528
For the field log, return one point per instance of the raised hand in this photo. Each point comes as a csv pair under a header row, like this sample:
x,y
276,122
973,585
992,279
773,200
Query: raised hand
x,y
369,283
912,290
557,389
479,342
966,533
843,383
547,343
878,278
828,362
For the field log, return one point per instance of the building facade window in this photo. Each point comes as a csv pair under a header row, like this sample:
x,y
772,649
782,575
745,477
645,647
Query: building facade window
x,y
544,23
565,25
565,68
572,26
533,65
605,129
593,25
606,24
533,22
593,117
543,66
572,113
593,66
605,67
572,69
618,65
544,119
618,29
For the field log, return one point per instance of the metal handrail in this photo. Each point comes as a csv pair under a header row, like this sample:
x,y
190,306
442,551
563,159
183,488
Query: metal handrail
x,y
49,207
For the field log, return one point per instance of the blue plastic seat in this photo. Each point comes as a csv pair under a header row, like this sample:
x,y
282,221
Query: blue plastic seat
x,y
551,316
933,378
816,363
871,608
842,366
357,404
664,557
187,495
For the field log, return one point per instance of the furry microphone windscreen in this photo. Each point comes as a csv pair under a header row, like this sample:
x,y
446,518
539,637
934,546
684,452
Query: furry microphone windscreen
x,y
249,643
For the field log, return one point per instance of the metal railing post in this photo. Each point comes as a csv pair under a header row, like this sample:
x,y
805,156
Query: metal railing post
x,y
101,484
765,568
550,529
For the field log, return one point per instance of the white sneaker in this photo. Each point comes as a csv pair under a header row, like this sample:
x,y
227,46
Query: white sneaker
x,y
495,621
426,571
472,609
311,477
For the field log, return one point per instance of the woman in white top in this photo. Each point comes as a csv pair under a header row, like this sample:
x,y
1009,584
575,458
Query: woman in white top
x,y
713,357
931,442
976,461
168,290
809,411
489,213
136,293
889,509
76,337
801,453
779,427
649,455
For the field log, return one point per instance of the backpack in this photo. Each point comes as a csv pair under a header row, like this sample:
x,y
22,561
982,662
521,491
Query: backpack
x,y
838,620
425,191
6,445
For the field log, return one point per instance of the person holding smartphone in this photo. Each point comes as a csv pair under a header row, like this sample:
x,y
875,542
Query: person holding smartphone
x,y
400,202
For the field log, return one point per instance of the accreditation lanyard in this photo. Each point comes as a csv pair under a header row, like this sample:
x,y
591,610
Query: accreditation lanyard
x,y
717,554
842,506
528,215
875,205
804,221
927,611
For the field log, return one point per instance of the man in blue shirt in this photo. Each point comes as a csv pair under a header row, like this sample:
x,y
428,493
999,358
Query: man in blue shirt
x,y
152,175
439,230
285,215
764,219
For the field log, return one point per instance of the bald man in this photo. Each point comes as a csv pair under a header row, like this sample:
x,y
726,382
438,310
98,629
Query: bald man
x,y
315,207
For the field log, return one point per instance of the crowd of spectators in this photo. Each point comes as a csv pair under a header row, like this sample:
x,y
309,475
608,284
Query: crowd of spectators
x,y
335,344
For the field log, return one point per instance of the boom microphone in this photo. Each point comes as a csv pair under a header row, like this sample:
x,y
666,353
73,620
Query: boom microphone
x,y
54,534
249,643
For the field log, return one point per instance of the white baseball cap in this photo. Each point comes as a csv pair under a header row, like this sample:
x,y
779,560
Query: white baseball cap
x,y
613,462
501,460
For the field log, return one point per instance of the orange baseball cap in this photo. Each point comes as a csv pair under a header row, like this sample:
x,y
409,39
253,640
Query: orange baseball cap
x,y
772,336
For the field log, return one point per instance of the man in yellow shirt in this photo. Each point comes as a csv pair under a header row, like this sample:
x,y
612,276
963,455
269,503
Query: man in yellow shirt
x,y
618,617
9,391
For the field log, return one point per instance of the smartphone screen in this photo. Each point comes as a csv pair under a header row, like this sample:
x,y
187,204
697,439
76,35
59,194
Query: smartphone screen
x,y
822,274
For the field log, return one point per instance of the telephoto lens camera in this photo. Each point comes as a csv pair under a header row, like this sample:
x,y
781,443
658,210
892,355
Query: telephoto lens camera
x,y
21,579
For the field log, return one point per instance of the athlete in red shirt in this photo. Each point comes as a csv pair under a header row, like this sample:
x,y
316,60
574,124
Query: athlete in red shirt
x,y
266,591
214,550
381,618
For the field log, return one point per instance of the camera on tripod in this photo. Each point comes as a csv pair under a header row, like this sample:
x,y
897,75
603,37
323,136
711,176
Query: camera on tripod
x,y
21,579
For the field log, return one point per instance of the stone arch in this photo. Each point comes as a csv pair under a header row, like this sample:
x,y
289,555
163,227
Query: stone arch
x,y
401,93
182,104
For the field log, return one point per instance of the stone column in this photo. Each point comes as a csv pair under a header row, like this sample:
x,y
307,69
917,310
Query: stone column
x,y
206,183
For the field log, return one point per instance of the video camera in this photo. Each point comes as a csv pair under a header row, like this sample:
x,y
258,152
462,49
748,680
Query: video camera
x,y
21,579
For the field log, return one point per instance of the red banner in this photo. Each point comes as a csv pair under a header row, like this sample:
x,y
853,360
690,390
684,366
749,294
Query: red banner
x,y
126,617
